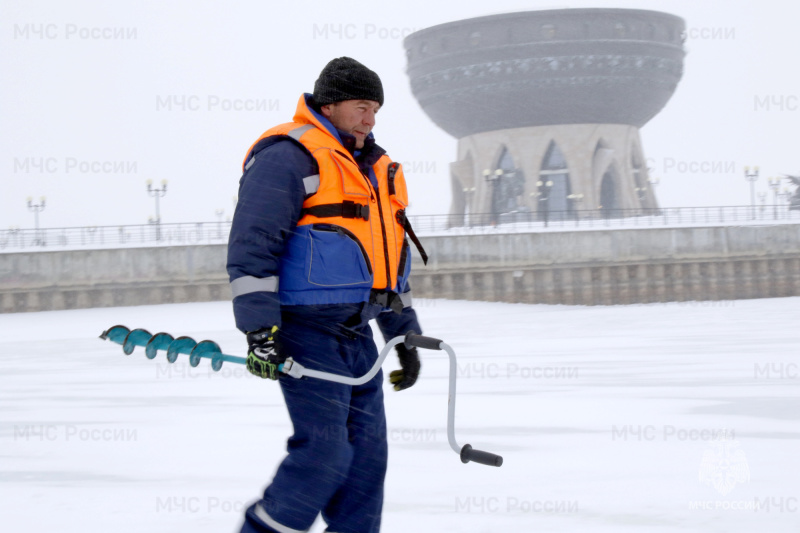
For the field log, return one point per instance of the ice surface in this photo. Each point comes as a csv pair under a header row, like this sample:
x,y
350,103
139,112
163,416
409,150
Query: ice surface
x,y
93,440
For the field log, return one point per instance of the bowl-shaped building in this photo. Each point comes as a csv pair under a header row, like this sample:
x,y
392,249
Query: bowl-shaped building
x,y
552,100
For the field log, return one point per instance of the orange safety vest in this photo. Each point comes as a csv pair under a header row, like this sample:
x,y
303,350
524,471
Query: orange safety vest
x,y
344,216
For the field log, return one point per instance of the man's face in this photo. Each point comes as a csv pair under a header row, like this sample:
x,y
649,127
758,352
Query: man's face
x,y
356,117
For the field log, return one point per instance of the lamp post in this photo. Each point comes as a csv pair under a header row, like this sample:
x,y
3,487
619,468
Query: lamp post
x,y
654,182
641,193
219,213
752,177
762,198
493,178
37,208
544,197
515,189
575,199
157,193
468,192
775,185
784,196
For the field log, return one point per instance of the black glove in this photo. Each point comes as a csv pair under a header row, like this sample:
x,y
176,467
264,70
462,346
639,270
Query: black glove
x,y
264,353
409,362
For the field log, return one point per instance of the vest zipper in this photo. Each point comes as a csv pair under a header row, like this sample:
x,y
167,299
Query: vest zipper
x,y
385,244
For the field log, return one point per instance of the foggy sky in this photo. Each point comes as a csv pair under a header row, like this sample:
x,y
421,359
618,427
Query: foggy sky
x,y
94,90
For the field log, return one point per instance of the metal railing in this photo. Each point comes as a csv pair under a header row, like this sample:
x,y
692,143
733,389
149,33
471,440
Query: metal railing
x,y
603,218
194,233
115,236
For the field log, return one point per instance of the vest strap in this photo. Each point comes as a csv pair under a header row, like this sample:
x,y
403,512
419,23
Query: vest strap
x,y
403,220
389,299
406,298
346,209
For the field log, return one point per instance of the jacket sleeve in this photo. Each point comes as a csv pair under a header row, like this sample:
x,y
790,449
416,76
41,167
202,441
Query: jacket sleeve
x,y
271,194
393,324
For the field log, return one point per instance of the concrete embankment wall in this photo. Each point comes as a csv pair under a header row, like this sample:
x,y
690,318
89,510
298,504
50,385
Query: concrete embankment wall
x,y
615,267
581,267
40,281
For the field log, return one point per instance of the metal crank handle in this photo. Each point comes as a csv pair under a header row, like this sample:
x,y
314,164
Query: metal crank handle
x,y
468,453
294,369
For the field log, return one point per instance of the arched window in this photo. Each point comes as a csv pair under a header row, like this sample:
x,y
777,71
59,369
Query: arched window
x,y
553,188
604,168
506,185
609,203
505,162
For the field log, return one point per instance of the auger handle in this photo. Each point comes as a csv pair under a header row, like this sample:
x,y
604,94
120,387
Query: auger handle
x,y
468,453
421,341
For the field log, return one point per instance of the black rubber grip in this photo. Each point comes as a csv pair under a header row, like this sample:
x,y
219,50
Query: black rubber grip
x,y
421,341
479,456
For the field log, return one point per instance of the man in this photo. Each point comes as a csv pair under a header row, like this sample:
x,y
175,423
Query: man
x,y
317,249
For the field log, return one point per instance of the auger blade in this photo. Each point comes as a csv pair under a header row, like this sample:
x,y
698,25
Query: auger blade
x,y
137,337
181,345
208,349
160,341
115,334
130,339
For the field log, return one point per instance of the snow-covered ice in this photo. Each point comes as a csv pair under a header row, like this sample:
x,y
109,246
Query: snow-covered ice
x,y
609,419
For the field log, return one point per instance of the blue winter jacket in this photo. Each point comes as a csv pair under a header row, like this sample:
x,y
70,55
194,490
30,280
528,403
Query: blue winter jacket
x,y
271,195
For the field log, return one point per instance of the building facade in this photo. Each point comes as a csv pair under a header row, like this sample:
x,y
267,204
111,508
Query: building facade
x,y
547,107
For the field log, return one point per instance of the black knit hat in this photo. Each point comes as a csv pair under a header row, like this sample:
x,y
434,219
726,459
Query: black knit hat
x,y
345,78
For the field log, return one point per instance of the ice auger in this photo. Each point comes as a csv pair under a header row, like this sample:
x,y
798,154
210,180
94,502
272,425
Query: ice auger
x,y
130,339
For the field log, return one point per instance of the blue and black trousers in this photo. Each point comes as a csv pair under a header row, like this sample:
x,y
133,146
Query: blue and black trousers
x,y
337,456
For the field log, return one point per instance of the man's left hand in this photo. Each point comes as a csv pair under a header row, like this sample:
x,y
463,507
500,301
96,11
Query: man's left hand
x,y
409,363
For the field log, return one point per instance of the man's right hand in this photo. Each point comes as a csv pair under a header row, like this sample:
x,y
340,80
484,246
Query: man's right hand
x,y
263,354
